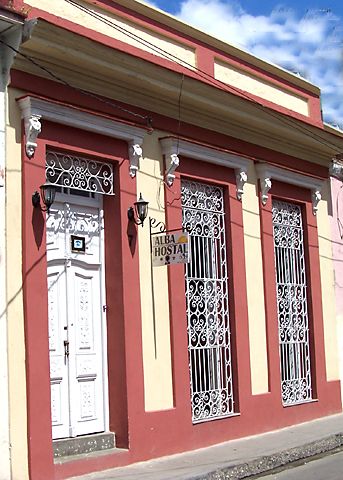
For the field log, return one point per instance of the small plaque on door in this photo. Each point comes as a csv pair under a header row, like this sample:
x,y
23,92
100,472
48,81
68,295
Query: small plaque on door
x,y
78,244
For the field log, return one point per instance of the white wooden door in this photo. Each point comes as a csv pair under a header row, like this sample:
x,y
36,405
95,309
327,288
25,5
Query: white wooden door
x,y
77,339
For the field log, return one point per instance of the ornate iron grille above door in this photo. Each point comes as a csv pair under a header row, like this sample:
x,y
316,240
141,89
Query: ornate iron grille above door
x,y
207,302
78,173
292,303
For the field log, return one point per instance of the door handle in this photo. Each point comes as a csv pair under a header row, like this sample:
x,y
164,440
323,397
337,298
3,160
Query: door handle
x,y
66,348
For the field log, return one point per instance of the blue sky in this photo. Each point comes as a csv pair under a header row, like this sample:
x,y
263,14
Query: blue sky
x,y
302,36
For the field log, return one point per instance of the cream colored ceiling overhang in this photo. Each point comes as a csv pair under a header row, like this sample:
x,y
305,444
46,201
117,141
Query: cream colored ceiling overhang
x,y
92,66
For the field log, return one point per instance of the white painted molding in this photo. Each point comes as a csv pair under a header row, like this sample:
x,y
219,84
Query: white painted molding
x,y
172,148
266,185
40,109
266,173
336,168
241,180
135,155
316,198
33,128
174,162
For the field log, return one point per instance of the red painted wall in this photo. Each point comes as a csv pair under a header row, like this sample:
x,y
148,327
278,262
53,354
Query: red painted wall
x,y
152,434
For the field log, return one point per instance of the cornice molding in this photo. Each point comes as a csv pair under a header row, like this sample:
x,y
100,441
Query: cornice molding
x,y
336,167
114,74
153,13
266,172
35,110
173,148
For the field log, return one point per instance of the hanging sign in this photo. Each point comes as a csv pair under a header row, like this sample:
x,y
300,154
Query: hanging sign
x,y
170,248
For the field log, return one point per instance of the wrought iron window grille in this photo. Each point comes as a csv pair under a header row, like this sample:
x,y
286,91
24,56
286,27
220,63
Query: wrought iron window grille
x,y
291,289
79,174
207,300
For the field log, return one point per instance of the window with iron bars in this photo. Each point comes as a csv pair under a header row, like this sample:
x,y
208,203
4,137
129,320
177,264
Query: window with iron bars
x,y
207,301
292,308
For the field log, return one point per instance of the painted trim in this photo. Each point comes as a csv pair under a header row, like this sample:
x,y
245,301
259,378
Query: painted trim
x,y
204,172
300,196
245,148
153,85
266,172
146,435
34,109
173,147
123,303
12,34
150,16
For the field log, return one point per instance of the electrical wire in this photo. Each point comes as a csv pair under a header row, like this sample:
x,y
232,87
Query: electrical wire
x,y
163,180
224,87
179,112
146,118
202,74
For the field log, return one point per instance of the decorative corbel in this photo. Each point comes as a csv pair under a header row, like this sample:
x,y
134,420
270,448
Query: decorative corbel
x,y
174,162
336,167
241,179
316,198
266,185
33,128
135,155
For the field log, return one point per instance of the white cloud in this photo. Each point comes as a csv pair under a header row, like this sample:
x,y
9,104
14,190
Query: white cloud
x,y
311,45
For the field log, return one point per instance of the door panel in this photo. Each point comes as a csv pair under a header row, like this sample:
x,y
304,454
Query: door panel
x,y
86,381
58,360
75,320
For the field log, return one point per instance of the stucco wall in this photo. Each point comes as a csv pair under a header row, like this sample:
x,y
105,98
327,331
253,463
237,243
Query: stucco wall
x,y
337,251
154,286
255,285
119,28
328,286
257,86
16,340
4,411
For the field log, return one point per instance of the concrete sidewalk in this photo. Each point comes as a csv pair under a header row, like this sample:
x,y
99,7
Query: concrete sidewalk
x,y
237,459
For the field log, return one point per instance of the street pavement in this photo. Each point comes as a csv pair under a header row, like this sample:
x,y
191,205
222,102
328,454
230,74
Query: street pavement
x,y
329,467
239,459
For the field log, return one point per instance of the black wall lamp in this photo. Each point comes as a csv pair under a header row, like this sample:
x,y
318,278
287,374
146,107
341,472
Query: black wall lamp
x,y
140,211
47,194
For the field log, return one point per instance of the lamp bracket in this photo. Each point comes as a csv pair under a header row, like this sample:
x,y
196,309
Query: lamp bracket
x,y
131,215
161,227
157,225
36,203
36,200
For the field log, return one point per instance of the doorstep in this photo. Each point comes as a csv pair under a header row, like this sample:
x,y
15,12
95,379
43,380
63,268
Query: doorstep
x,y
85,444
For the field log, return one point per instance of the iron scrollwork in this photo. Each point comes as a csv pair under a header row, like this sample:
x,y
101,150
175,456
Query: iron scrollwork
x,y
79,173
292,308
